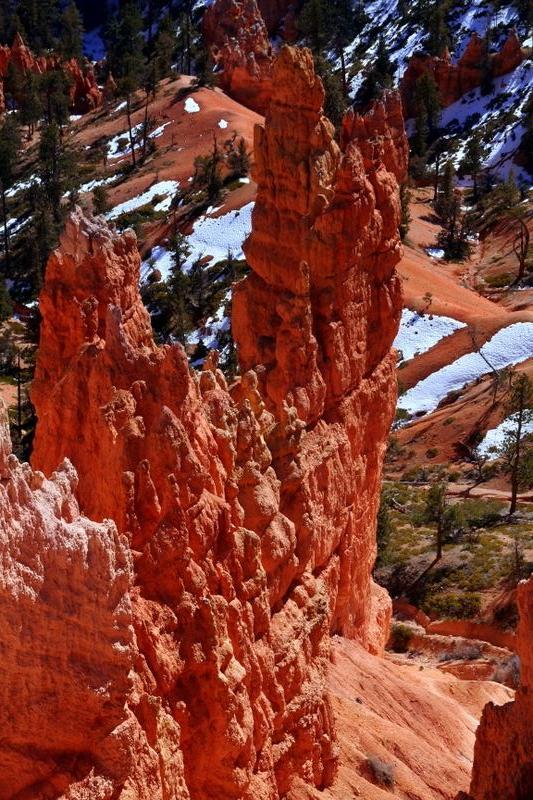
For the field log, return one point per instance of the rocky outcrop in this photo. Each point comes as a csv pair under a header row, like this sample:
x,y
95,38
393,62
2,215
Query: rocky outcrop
x,y
66,638
503,756
84,92
453,80
250,511
238,39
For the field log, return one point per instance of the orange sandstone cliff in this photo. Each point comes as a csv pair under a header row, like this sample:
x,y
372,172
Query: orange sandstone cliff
x,y
249,511
503,755
84,92
456,79
238,39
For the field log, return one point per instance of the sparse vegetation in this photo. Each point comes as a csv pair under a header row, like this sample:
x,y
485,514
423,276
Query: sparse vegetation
x,y
382,771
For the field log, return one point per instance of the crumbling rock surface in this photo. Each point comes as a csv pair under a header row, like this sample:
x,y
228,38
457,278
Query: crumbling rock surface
x,y
66,637
249,511
84,92
456,79
238,39
503,755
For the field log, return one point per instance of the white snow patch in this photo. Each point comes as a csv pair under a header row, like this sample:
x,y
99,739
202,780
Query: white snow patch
x,y
435,252
166,188
222,123
121,106
191,106
420,332
75,117
160,259
214,236
508,346
22,185
90,185
495,438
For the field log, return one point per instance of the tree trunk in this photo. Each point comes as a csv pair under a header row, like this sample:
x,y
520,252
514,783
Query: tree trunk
x,y
145,124
132,144
436,184
516,460
6,232
343,72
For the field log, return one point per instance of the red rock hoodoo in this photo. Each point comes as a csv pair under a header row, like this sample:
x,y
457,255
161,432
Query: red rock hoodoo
x,y
237,36
456,79
84,92
503,756
250,512
66,633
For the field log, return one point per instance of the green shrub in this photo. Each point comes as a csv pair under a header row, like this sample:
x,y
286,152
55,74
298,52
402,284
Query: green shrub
x,y
499,281
400,637
453,605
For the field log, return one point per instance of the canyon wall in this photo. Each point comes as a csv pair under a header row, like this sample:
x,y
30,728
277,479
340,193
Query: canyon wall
x,y
456,79
249,511
83,90
503,755
237,37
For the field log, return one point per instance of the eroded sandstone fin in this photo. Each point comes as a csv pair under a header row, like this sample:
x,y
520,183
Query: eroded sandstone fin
x,y
250,514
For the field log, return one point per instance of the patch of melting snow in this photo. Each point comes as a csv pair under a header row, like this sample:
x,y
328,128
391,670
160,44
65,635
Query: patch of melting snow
x,y
120,107
214,236
191,106
22,185
114,150
510,345
496,436
435,252
420,332
166,188
160,259
75,117
222,123
209,332
90,185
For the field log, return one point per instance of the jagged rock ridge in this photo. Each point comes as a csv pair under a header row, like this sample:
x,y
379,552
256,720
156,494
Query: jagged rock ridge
x,y
250,512
84,92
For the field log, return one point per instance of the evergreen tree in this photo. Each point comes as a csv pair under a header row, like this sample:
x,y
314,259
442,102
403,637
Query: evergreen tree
x,y
71,39
515,450
334,97
40,23
472,162
31,107
208,173
454,238
405,216
57,170
427,98
6,309
236,156
100,199
435,23
446,194
383,65
379,77
9,149
420,139
314,24
178,284
54,89
125,57
203,65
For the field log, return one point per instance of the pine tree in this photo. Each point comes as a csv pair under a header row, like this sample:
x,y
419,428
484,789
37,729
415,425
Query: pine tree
x,y
9,149
514,448
420,139
314,25
57,169
208,173
383,65
54,89
236,156
472,162
6,306
435,23
71,39
100,199
203,65
178,284
446,194
334,97
125,57
405,215
31,107
427,98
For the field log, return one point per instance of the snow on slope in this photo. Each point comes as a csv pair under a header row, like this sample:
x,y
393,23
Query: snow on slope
x,y
211,238
420,332
214,236
496,436
502,111
167,189
508,346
